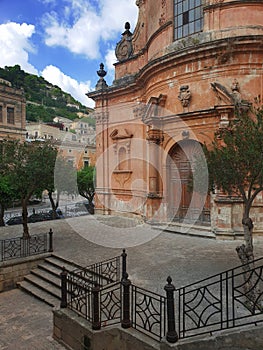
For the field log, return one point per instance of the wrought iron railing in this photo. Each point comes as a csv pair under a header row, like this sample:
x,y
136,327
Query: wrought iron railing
x,y
230,299
148,312
113,301
103,273
226,300
20,247
110,304
81,281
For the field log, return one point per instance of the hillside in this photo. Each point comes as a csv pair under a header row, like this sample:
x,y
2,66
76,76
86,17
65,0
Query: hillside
x,y
44,100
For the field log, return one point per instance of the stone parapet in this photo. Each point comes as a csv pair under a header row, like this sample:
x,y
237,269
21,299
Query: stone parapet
x,y
75,333
14,271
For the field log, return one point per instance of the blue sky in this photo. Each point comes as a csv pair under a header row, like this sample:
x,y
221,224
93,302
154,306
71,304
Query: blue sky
x,y
64,40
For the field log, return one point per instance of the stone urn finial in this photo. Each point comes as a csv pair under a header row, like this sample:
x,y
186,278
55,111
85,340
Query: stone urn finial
x,y
101,84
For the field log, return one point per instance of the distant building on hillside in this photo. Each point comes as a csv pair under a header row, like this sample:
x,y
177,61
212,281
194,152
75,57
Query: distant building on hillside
x,y
84,130
12,111
72,146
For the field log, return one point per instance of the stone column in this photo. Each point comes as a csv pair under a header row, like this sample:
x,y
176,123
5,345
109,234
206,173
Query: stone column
x,y
154,137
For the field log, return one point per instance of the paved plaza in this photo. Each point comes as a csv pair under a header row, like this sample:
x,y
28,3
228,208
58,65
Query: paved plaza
x,y
153,254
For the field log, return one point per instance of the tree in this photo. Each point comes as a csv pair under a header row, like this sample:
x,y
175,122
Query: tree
x,y
235,166
32,166
62,180
7,195
85,179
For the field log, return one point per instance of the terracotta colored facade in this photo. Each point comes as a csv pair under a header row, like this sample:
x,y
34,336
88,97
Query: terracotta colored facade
x,y
12,112
178,79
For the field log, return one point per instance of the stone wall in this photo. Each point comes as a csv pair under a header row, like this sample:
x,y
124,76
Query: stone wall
x,y
75,333
14,271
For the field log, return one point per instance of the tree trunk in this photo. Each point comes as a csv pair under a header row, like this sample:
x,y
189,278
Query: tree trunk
x,y
53,205
2,213
245,253
25,220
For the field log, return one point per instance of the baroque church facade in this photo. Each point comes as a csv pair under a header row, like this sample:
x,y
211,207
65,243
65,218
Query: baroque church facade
x,y
179,77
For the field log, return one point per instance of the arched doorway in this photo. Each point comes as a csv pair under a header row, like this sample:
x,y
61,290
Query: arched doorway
x,y
184,203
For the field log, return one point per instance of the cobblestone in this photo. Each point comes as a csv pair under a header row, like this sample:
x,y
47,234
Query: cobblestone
x,y
26,323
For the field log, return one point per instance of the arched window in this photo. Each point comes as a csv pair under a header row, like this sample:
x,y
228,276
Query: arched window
x,y
188,17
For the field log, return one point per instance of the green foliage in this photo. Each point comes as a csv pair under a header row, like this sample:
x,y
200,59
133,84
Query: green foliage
x,y
235,160
48,100
85,180
28,168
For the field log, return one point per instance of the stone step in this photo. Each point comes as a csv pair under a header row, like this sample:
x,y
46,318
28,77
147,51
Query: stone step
x,y
190,230
38,293
59,262
43,285
44,281
55,280
50,269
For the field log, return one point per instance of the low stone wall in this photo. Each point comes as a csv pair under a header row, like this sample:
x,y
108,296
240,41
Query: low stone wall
x,y
13,271
75,333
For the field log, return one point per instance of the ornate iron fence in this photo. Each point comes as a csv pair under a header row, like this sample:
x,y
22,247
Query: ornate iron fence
x,y
78,296
19,247
110,304
103,273
226,300
113,301
148,313
230,299
82,284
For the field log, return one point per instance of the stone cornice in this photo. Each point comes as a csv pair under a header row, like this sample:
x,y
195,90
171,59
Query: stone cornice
x,y
233,3
211,48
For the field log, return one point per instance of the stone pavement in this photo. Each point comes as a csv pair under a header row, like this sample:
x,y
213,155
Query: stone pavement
x,y
152,255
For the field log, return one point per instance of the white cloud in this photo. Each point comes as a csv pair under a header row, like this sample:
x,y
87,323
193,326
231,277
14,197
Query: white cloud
x,y
76,89
90,27
15,45
110,59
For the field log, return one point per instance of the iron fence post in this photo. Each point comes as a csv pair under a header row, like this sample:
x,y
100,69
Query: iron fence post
x,y
124,263
63,275
171,334
96,324
126,283
50,241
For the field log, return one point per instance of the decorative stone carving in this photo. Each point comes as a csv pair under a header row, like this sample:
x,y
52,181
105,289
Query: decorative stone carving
x,y
223,94
154,136
236,92
162,19
184,95
101,117
101,84
153,108
185,134
120,134
122,176
124,47
139,3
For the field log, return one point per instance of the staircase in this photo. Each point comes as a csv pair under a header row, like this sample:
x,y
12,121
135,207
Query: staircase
x,y
44,281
